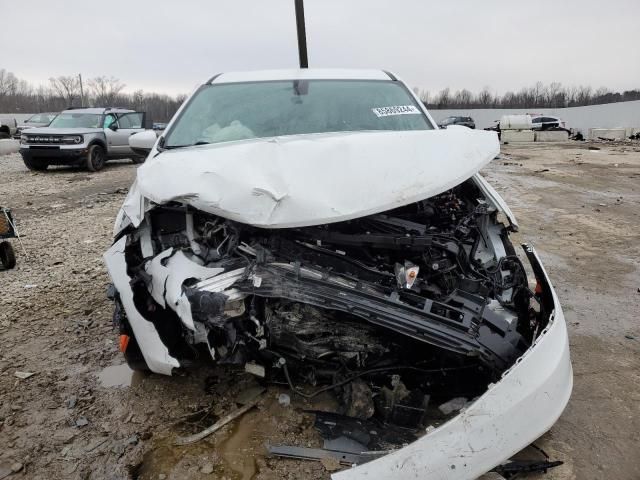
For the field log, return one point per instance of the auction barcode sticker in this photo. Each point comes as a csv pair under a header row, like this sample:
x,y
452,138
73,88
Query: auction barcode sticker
x,y
396,110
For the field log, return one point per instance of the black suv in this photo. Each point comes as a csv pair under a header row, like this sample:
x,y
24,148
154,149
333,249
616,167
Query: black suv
x,y
464,121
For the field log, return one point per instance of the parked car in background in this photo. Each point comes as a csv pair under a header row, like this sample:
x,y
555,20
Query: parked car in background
x,y
8,126
37,120
158,126
547,122
83,136
464,121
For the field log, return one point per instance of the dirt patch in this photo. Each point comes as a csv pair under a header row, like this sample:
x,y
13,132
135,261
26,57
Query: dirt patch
x,y
83,415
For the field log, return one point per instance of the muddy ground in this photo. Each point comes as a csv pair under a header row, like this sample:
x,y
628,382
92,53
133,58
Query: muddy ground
x,y
82,414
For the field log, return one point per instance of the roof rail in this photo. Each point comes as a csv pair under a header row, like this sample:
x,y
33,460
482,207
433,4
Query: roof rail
x,y
390,75
213,78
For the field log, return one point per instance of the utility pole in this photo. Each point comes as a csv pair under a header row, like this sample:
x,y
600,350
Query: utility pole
x,y
302,35
81,91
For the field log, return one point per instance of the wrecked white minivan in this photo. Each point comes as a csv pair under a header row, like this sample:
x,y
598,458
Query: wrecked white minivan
x,y
314,227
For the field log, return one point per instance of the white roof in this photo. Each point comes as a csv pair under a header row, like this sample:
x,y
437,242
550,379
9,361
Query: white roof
x,y
302,74
99,110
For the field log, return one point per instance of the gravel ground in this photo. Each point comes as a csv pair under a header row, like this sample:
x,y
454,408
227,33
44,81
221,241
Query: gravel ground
x,y
84,415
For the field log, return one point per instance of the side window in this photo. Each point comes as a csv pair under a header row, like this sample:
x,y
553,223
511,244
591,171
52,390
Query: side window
x,y
109,120
537,120
131,120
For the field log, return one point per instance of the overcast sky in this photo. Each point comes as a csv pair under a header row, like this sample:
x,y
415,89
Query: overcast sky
x,y
171,46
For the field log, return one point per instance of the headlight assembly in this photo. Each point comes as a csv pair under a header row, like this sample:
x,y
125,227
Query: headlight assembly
x,y
72,139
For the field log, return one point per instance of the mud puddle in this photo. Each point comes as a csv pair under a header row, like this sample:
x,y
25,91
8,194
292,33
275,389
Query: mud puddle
x,y
238,451
119,376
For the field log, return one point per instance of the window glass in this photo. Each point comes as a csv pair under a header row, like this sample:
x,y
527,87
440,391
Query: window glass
x,y
237,111
40,118
109,120
130,120
76,120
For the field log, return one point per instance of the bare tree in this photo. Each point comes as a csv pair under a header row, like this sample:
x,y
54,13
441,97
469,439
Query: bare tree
x,y
571,95
584,95
17,95
66,87
466,97
443,98
8,83
485,97
105,90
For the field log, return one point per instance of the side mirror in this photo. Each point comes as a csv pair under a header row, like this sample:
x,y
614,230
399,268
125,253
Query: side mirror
x,y
142,143
113,126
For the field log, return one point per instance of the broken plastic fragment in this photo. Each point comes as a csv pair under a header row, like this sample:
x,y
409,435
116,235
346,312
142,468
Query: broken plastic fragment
x,y
453,405
254,369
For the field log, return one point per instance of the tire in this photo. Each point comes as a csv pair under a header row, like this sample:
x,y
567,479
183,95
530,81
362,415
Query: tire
x,y
96,158
4,135
35,164
7,255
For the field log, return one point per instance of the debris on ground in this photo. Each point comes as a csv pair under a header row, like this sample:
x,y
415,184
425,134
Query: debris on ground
x,y
81,422
284,400
71,401
23,375
318,454
218,425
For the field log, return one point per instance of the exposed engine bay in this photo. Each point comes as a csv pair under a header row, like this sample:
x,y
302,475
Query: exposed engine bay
x,y
426,301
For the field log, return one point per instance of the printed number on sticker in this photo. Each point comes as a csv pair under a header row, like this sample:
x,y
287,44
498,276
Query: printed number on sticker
x,y
396,110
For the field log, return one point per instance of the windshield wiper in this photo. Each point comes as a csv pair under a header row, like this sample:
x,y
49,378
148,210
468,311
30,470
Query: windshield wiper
x,y
171,147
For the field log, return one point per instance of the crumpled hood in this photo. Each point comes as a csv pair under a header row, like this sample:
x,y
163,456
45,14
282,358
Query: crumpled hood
x,y
307,180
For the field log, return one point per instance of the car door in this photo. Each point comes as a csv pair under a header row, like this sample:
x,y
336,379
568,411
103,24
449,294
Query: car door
x,y
127,124
115,138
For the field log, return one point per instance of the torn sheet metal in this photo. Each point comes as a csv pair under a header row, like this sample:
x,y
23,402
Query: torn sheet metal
x,y
303,180
305,453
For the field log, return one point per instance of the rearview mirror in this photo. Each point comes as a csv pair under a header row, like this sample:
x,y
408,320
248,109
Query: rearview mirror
x,y
142,143
113,126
